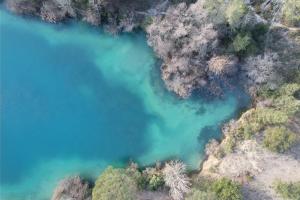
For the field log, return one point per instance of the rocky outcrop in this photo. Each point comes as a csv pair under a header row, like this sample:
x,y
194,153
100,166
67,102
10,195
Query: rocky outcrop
x,y
72,188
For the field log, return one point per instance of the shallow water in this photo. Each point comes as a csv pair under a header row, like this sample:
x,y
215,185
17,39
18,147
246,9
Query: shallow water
x,y
75,100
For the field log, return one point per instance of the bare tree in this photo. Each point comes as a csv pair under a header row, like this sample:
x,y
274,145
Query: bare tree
x,y
176,179
262,69
72,188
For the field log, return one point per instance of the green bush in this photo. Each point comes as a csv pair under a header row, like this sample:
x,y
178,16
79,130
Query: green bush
x,y
196,194
288,190
151,179
114,184
229,145
146,22
235,10
226,189
216,10
291,12
278,139
155,182
241,42
283,106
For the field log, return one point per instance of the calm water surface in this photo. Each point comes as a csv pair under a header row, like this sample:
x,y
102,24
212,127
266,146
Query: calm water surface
x,y
74,100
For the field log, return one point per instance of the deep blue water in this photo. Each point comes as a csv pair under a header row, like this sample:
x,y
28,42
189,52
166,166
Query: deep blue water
x,y
74,100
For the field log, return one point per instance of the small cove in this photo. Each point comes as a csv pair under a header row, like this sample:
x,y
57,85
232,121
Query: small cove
x,y
75,100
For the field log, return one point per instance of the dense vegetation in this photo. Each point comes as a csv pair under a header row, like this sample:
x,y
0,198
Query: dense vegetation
x,y
114,184
214,189
124,184
291,12
279,139
243,37
196,194
288,190
226,189
271,118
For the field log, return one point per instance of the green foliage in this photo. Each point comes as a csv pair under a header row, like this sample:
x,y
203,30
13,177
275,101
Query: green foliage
x,y
114,184
283,106
155,182
240,39
234,12
293,76
202,183
151,179
180,1
279,139
229,145
265,92
259,30
80,4
291,12
258,33
288,190
200,195
241,42
226,189
146,22
216,10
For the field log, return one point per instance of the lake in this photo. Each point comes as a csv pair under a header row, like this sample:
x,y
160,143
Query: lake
x,y
75,100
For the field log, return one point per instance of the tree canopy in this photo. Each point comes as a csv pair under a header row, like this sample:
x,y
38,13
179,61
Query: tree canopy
x,y
114,184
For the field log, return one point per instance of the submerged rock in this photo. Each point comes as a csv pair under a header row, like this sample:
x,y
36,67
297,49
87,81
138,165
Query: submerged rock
x,y
72,188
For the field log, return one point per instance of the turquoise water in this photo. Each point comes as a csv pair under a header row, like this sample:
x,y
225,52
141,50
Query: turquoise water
x,y
75,100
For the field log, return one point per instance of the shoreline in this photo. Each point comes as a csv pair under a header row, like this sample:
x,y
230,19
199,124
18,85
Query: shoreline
x,y
214,166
